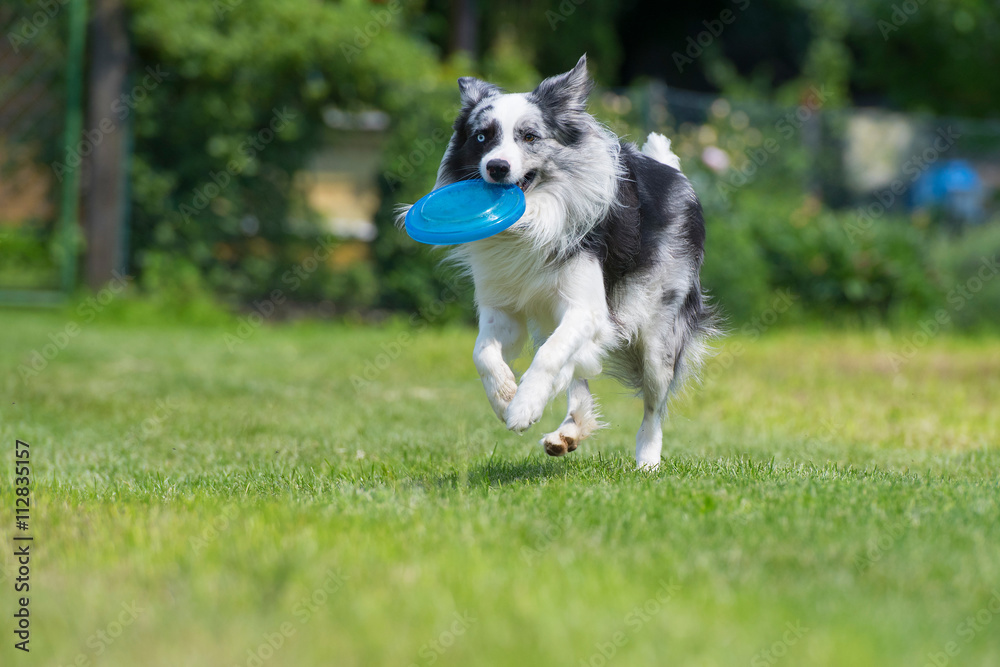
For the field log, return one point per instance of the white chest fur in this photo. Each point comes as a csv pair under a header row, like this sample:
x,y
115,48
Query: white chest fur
x,y
512,275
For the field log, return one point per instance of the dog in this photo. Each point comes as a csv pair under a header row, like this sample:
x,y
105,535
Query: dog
x,y
602,270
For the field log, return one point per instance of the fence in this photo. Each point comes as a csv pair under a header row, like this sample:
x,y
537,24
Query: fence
x,y
41,84
948,168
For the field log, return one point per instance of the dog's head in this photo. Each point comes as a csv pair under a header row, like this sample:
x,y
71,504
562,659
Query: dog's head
x,y
520,138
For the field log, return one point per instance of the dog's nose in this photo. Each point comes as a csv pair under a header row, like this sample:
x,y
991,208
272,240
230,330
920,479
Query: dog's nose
x,y
498,169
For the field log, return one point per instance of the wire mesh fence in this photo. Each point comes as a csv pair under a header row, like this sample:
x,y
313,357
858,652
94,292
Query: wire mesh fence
x,y
41,57
874,161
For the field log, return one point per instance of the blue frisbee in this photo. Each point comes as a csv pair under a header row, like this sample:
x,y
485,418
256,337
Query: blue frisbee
x,y
464,211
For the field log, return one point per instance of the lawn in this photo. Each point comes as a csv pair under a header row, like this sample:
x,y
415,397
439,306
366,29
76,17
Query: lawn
x,y
322,494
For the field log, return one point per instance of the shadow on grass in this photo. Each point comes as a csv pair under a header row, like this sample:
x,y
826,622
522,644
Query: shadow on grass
x,y
537,468
497,472
740,467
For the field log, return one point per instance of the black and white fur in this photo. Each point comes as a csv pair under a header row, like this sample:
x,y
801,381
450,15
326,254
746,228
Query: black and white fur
x,y
602,269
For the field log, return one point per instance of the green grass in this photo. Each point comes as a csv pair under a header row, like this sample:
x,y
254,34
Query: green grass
x,y
233,494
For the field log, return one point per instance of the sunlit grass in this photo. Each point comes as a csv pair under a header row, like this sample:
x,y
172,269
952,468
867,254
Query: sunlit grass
x,y
266,497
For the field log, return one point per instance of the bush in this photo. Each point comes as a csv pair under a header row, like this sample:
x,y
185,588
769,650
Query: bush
x,y
236,113
410,274
877,274
29,253
735,275
968,265
233,74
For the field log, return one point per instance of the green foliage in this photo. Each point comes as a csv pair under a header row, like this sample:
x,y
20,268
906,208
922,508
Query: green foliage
x,y
837,269
553,34
881,274
934,56
548,35
28,256
237,113
828,60
233,210
735,274
174,290
968,264
410,277
938,56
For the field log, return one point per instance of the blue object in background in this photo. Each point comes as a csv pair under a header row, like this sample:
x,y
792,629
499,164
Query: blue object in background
x,y
464,211
953,187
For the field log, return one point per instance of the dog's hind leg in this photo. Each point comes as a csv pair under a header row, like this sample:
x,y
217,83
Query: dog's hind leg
x,y
580,421
661,350
649,440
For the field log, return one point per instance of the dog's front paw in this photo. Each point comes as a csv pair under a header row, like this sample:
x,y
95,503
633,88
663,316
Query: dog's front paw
x,y
500,391
524,411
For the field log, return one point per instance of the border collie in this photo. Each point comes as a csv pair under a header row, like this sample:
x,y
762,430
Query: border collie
x,y
602,270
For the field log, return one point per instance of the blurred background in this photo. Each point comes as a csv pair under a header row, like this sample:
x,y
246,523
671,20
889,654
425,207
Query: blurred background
x,y
221,155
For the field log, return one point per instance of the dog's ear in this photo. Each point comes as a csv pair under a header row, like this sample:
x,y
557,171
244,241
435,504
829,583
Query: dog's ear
x,y
568,90
475,91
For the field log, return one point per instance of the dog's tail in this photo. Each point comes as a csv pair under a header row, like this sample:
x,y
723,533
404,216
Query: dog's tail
x,y
657,147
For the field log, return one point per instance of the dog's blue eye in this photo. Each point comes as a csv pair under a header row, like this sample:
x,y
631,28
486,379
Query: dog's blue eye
x,y
481,138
